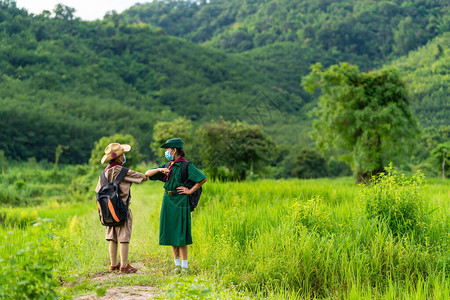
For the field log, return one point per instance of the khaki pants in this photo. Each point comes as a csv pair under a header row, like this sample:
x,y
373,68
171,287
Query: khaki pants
x,y
120,234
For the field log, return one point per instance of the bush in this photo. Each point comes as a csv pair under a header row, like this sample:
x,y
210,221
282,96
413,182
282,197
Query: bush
x,y
309,163
27,273
395,200
313,215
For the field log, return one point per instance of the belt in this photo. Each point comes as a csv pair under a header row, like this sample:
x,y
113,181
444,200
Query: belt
x,y
171,193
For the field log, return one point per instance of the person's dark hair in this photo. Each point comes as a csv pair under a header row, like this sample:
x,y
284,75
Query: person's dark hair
x,y
180,152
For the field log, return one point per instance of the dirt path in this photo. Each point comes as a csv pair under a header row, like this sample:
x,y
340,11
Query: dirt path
x,y
137,292
126,292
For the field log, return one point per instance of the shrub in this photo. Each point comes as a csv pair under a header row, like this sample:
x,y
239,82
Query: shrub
x,y
309,163
395,200
312,214
27,273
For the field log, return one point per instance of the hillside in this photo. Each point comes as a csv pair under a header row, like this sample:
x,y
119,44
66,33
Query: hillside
x,y
68,82
364,32
427,74
282,39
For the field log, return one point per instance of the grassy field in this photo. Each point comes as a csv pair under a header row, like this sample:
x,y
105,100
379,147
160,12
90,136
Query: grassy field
x,y
277,239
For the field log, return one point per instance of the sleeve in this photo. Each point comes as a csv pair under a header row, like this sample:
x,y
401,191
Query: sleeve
x,y
158,176
195,174
134,177
99,185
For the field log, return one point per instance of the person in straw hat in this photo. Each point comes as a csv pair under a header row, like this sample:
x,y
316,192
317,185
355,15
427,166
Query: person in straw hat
x,y
175,218
115,156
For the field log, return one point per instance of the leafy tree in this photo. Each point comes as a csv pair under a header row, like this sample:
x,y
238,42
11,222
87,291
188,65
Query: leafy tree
x,y
241,148
134,157
365,114
440,159
309,163
178,128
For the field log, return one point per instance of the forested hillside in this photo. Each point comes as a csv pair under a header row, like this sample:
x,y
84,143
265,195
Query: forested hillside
x,y
67,82
282,39
426,72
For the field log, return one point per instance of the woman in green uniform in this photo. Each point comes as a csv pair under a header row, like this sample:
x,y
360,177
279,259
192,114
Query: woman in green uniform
x,y
175,218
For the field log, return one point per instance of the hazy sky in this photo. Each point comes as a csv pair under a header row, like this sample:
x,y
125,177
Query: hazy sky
x,y
85,9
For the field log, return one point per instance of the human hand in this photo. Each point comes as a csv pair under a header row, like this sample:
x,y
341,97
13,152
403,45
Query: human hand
x,y
183,190
165,171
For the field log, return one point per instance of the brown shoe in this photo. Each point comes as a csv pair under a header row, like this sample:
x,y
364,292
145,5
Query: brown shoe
x,y
114,268
128,269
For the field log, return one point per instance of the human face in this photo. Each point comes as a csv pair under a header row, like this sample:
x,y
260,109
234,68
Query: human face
x,y
170,153
122,159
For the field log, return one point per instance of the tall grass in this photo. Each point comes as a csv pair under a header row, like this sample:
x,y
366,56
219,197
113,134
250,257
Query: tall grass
x,y
280,239
248,234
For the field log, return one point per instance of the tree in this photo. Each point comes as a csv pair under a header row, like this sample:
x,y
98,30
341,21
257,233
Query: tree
x,y
309,163
134,157
240,148
64,12
440,159
178,128
365,114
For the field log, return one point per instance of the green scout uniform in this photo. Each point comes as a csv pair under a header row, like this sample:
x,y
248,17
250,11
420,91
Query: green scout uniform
x,y
175,218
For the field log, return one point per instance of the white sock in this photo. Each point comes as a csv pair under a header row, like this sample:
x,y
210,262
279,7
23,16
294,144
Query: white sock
x,y
177,262
184,264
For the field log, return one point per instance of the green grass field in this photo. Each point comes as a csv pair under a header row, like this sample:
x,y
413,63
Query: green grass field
x,y
277,239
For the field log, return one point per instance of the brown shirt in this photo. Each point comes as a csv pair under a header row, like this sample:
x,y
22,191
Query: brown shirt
x,y
124,187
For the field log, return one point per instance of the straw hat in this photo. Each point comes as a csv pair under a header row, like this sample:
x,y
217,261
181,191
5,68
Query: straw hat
x,y
114,150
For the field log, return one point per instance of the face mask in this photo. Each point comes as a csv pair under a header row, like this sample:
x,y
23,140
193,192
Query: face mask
x,y
124,159
168,156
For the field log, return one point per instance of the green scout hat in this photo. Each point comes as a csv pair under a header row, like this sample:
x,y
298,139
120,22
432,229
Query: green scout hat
x,y
173,143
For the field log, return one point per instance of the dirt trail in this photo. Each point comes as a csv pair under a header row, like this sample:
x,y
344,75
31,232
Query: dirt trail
x,y
126,292
136,292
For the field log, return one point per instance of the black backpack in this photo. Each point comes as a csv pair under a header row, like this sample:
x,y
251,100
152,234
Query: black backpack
x,y
194,198
111,209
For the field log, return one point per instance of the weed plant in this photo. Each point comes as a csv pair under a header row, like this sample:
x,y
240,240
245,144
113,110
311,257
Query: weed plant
x,y
27,264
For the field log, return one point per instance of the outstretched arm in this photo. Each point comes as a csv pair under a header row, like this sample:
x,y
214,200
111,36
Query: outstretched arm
x,y
153,172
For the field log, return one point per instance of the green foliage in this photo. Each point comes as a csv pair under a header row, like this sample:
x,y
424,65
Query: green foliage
x,y
85,80
28,184
3,162
429,140
241,148
337,168
134,157
309,163
440,159
283,38
369,30
27,273
352,256
312,214
248,220
426,75
396,201
188,288
365,114
180,127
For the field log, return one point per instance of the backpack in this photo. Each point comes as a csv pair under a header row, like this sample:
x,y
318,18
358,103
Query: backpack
x,y
194,198
111,209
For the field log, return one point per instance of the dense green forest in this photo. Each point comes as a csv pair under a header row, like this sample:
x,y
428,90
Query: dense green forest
x,y
68,82
299,33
